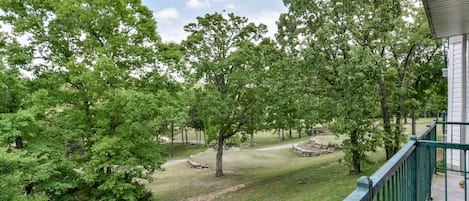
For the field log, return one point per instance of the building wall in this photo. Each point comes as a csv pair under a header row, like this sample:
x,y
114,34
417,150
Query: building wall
x,y
456,101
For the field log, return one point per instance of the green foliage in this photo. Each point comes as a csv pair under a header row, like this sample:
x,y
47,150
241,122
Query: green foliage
x,y
220,51
83,127
356,57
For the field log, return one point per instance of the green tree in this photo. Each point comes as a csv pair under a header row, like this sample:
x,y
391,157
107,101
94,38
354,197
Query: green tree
x,y
377,37
91,58
216,48
342,68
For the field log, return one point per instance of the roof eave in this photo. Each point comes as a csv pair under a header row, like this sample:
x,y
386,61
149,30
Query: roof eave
x,y
429,18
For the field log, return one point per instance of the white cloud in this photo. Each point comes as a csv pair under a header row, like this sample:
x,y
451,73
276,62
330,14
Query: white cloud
x,y
173,35
167,15
232,6
268,18
173,32
195,4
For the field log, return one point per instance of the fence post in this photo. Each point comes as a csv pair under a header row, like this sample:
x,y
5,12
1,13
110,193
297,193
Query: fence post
x,y
365,183
444,126
414,183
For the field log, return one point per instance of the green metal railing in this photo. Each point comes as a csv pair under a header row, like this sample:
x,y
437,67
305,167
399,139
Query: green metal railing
x,y
406,176
445,146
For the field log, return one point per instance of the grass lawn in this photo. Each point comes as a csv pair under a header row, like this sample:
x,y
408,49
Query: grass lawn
x,y
264,175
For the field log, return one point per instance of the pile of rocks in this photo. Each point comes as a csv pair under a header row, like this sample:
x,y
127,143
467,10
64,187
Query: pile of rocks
x,y
312,148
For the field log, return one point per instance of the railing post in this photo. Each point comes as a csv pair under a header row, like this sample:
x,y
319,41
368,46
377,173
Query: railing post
x,y
363,192
444,126
365,183
414,171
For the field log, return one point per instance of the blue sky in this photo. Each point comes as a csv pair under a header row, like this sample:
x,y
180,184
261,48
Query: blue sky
x,y
172,15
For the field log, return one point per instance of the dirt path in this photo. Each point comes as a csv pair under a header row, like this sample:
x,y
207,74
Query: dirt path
x,y
278,147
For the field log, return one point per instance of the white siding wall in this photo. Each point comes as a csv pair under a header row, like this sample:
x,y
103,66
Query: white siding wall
x,y
454,97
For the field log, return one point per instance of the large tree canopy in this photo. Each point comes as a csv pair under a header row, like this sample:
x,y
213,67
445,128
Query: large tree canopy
x,y
89,120
219,52
361,56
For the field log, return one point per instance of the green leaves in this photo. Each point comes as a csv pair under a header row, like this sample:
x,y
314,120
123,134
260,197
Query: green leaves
x,y
86,120
222,57
17,125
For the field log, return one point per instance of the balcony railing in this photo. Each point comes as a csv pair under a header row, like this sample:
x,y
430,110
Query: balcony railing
x,y
409,173
398,178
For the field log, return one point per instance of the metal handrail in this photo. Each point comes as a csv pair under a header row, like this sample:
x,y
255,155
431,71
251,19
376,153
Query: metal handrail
x,y
393,173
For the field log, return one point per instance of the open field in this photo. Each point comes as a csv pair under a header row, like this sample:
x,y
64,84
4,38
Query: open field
x,y
251,174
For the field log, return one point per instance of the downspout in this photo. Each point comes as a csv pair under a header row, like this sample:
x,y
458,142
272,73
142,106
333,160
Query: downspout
x,y
464,96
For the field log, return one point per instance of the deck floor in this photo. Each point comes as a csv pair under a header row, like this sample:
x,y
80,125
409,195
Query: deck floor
x,y
454,192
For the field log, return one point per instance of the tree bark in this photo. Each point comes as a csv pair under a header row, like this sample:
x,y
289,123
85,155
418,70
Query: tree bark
x,y
414,121
197,135
205,138
279,135
172,139
397,133
185,129
182,136
251,144
19,143
283,134
219,162
355,154
157,138
29,188
289,132
388,145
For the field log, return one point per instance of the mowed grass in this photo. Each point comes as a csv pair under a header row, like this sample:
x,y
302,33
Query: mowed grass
x,y
265,175
273,175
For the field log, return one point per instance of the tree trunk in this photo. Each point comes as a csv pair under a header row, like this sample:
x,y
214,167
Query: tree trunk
x,y
184,145
355,154
283,134
388,145
414,121
182,136
200,136
397,134
289,132
405,118
251,144
197,135
205,138
172,139
279,135
357,168
219,165
29,189
19,143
